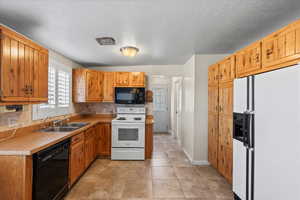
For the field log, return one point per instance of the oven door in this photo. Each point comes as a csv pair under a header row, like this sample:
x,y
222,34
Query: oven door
x,y
128,135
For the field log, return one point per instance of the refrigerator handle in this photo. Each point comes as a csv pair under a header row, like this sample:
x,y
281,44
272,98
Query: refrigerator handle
x,y
244,128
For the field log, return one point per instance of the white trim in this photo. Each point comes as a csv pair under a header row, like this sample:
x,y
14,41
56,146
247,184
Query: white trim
x,y
195,162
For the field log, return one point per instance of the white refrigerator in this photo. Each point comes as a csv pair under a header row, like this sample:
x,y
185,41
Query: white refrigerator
x,y
266,136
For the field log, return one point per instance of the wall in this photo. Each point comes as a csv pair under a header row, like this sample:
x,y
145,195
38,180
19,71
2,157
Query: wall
x,y
10,120
202,62
156,75
188,95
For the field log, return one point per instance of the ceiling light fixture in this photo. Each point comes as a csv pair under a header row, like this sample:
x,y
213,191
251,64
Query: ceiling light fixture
x,y
129,51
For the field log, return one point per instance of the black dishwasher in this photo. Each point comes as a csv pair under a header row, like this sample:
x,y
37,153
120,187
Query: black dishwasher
x,y
50,172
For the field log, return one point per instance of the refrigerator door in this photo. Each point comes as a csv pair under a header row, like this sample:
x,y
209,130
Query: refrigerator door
x,y
277,135
239,169
240,95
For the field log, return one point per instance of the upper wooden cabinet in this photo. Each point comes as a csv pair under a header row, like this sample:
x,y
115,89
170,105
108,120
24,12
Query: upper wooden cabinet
x,y
122,79
282,47
87,85
226,69
130,79
137,79
213,74
248,60
24,69
108,86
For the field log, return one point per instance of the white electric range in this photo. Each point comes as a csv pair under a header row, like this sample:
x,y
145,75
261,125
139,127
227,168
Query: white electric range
x,y
128,134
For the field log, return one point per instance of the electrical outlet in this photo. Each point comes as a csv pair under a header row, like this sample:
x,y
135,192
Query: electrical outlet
x,y
12,122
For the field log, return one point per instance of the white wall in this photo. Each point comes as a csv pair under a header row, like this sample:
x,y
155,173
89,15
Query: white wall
x,y
188,94
202,62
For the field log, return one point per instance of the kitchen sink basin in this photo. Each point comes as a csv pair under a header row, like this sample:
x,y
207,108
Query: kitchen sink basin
x,y
71,126
76,124
59,129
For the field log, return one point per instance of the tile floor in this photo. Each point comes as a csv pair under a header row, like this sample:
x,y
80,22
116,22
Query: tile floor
x,y
169,175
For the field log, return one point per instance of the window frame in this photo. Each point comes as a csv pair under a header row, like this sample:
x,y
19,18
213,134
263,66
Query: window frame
x,y
41,112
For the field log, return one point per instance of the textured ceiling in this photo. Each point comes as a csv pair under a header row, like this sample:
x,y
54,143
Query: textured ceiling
x,y
166,31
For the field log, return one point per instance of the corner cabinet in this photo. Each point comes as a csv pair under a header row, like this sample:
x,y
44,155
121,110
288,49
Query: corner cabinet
x,y
24,69
87,85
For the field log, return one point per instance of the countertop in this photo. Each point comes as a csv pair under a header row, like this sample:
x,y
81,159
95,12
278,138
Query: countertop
x,y
34,141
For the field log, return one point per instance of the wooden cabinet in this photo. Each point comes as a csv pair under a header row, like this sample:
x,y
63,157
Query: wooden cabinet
x,y
213,74
104,139
220,119
213,139
122,79
90,146
24,69
248,60
149,141
87,85
130,79
77,158
226,70
137,79
281,47
108,87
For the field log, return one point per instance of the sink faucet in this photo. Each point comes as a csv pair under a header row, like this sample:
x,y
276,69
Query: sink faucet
x,y
44,121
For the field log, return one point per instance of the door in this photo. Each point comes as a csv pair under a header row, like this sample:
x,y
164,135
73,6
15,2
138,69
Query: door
x,y
122,78
160,108
178,109
128,135
104,139
137,79
108,87
277,138
92,87
77,161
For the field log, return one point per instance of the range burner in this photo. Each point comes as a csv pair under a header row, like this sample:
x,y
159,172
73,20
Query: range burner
x,y
137,118
121,118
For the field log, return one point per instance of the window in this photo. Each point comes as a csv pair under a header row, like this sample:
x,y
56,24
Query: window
x,y
59,92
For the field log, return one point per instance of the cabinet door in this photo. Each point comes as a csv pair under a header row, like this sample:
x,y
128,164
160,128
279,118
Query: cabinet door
x,y
104,139
39,85
281,47
149,141
77,161
213,99
89,151
13,82
213,140
248,61
222,159
108,87
225,98
213,74
92,87
137,79
228,164
226,70
122,78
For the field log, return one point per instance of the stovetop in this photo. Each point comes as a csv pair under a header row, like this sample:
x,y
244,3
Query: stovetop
x,y
130,118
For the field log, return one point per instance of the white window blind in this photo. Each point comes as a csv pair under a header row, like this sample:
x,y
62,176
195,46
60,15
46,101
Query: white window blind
x,y
51,89
63,89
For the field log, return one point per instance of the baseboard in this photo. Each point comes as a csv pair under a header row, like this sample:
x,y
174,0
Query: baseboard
x,y
195,162
200,162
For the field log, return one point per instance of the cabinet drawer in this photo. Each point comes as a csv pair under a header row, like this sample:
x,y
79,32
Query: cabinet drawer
x,y
77,138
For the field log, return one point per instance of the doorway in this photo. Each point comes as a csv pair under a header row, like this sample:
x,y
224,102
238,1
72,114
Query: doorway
x,y
160,108
177,108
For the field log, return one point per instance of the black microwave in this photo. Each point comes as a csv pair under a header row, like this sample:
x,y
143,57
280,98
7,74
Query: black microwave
x,y
129,95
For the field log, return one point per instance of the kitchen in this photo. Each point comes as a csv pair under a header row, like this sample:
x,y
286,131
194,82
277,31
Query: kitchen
x,y
97,109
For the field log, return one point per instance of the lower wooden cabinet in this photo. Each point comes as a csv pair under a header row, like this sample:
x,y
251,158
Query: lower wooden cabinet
x,y
213,140
90,146
103,132
77,158
149,141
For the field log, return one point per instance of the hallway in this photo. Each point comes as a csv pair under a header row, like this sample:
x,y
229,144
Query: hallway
x,y
169,175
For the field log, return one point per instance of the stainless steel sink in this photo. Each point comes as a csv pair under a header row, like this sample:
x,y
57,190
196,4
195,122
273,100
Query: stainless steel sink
x,y
71,126
59,129
76,124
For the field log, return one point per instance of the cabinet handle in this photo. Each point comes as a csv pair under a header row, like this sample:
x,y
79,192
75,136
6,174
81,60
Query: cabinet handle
x,y
257,57
269,52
